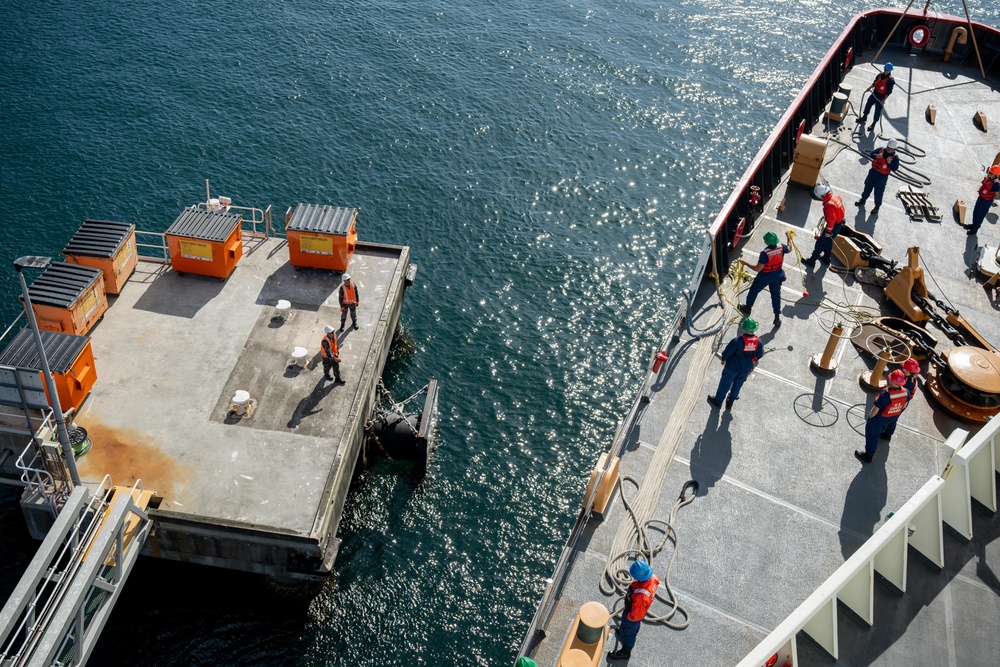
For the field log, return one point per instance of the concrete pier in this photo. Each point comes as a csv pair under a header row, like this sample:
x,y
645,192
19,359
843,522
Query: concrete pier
x,y
262,492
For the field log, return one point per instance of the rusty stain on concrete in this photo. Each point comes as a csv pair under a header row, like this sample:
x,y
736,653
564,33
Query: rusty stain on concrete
x,y
128,455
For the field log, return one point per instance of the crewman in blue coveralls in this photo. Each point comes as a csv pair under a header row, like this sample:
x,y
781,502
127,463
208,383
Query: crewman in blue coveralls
x,y
770,274
739,359
883,415
884,161
881,89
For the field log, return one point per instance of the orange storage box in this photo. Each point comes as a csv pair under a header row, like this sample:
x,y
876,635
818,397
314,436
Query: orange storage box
x,y
208,243
71,360
108,246
68,298
321,237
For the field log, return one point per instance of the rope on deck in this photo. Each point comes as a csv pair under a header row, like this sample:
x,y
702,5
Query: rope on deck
x,y
630,540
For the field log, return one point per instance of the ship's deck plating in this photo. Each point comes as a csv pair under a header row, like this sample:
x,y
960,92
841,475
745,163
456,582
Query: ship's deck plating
x,y
783,502
171,352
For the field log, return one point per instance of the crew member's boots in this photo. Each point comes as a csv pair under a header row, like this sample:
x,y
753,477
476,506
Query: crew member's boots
x,y
621,654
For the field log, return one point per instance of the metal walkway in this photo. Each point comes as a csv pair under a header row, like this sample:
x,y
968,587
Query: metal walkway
x,y
57,612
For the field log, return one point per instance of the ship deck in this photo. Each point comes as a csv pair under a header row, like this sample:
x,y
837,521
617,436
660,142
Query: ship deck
x,y
171,352
783,502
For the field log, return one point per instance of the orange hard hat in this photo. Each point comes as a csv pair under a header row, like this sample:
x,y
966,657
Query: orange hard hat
x,y
897,377
995,170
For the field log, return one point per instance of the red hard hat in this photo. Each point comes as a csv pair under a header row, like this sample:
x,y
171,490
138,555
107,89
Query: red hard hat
x,y
897,377
911,366
995,170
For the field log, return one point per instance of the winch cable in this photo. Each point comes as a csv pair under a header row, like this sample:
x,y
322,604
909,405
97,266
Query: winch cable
x,y
616,580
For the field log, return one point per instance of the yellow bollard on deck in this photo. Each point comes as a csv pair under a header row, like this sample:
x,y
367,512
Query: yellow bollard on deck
x,y
585,642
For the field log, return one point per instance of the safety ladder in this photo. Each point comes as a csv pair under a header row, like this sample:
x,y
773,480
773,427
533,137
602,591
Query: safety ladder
x,y
57,612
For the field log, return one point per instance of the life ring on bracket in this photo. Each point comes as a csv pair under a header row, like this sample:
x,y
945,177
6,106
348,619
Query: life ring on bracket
x,y
919,35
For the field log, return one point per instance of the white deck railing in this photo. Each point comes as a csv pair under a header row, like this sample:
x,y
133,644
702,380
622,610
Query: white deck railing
x,y
918,523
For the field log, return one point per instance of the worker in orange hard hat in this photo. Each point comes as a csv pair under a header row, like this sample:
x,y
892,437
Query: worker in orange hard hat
x,y
331,354
883,415
348,302
987,194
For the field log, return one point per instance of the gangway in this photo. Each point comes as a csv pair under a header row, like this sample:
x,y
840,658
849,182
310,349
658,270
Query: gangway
x,y
57,612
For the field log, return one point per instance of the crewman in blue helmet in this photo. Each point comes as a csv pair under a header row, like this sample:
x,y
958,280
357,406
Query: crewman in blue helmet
x,y
881,88
770,274
638,598
739,359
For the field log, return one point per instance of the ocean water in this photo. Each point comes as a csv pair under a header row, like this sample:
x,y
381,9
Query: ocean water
x,y
552,166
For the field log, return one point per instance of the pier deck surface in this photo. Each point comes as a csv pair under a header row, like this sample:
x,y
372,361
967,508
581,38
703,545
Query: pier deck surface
x,y
173,349
783,502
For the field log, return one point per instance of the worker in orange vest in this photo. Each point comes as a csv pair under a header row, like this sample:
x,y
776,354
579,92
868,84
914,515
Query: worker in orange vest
x,y
638,599
884,414
348,301
331,354
833,214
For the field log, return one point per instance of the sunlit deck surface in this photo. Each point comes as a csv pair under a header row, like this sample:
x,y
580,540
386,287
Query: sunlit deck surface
x,y
172,351
783,502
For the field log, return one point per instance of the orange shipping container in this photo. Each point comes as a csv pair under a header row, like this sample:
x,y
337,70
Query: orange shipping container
x,y
321,237
108,246
208,243
70,357
68,298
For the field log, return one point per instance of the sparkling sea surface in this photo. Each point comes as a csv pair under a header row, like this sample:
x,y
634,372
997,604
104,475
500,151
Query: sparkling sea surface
x,y
552,166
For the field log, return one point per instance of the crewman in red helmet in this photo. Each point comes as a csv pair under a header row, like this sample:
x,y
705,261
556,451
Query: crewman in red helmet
x,y
883,415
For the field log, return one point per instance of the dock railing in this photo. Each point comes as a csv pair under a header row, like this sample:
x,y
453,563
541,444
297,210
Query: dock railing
x,y
919,523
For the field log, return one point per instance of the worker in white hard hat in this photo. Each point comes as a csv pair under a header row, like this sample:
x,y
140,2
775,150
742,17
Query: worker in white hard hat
x,y
348,302
884,161
331,354
833,214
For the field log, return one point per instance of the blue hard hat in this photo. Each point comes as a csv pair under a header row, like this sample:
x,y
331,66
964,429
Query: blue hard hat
x,y
888,67
640,570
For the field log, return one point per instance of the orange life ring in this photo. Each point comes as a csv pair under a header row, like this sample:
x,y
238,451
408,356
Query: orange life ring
x,y
920,34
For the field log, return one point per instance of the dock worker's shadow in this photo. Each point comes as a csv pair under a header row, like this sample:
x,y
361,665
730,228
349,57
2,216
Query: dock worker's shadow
x,y
712,451
864,222
307,406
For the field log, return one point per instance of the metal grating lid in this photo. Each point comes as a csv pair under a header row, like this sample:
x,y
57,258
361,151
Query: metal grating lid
x,y
61,349
324,219
62,284
98,238
195,223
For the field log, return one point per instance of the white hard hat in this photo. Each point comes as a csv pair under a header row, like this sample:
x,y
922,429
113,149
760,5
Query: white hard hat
x,y
821,190
892,144
328,329
347,276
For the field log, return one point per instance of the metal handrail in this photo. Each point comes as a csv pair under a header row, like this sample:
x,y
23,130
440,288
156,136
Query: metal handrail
x,y
163,252
919,523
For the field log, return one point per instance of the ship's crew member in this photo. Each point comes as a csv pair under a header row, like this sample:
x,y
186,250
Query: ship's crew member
x,y
881,88
911,371
833,213
884,413
348,302
987,193
331,354
770,274
884,161
525,662
738,359
638,599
